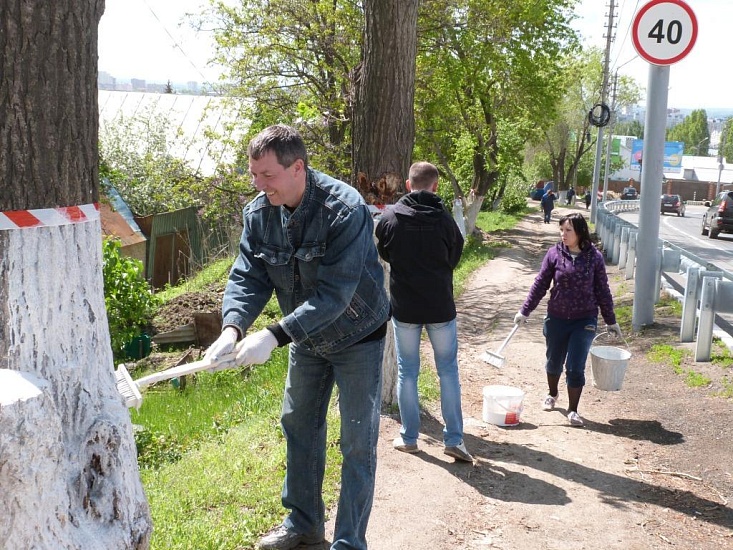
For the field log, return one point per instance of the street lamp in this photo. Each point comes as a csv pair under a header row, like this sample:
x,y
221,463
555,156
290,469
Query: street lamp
x,y
697,147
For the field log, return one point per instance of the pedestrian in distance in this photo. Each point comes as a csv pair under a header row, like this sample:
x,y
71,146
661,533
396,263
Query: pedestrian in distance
x,y
577,272
548,204
569,196
422,243
309,238
588,198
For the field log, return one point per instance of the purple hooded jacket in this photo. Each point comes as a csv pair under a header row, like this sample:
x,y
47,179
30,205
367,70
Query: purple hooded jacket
x,y
579,287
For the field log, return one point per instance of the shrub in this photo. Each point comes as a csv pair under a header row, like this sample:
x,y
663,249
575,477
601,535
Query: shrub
x,y
129,299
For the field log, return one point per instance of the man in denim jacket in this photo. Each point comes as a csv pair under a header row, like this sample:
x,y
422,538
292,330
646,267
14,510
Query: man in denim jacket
x,y
309,238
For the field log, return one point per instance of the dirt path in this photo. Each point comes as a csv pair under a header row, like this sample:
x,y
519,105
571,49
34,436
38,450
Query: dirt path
x,y
652,468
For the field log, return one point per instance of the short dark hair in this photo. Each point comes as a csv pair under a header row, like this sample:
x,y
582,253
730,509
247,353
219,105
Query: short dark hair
x,y
580,226
422,175
283,140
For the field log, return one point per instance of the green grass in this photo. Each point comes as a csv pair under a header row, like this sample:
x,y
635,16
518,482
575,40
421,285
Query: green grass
x,y
670,355
212,455
215,272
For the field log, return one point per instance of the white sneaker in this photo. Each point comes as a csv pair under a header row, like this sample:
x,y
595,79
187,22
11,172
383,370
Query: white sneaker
x,y
549,403
574,419
459,452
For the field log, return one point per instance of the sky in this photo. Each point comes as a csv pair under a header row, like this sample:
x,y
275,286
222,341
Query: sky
x,y
150,39
698,81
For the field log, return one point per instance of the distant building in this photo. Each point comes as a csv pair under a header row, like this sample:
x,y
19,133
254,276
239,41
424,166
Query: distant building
x,y
138,84
192,86
106,81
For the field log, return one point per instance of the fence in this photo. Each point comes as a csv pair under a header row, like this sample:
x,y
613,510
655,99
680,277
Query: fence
x,y
708,290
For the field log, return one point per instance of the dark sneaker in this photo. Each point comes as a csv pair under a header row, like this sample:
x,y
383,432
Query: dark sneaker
x,y
400,445
283,538
459,452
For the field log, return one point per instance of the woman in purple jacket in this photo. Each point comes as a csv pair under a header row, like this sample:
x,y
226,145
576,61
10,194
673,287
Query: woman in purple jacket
x,y
577,272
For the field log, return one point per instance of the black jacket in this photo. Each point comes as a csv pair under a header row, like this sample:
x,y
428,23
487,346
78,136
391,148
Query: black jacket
x,y
422,243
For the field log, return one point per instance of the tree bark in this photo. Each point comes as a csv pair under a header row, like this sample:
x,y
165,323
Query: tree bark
x,y
68,466
384,122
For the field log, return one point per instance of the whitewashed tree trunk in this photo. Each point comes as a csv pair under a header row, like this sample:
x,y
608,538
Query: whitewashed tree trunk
x,y
68,468
473,207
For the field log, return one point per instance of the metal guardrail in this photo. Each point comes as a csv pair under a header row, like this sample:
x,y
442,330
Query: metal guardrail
x,y
708,288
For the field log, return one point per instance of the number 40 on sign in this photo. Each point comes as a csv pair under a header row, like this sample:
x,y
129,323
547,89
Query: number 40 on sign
x,y
664,31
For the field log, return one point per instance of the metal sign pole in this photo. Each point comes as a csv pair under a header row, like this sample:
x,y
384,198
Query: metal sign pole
x,y
655,125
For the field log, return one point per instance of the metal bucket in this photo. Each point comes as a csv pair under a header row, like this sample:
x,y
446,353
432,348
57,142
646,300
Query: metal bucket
x,y
608,366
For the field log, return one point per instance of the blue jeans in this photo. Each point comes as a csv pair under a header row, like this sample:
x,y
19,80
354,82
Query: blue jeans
x,y
357,371
444,340
568,342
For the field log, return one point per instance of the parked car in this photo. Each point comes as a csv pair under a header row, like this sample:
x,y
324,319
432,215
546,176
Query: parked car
x,y
718,218
629,194
673,203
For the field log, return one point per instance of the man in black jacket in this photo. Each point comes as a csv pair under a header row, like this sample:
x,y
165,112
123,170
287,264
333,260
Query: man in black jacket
x,y
422,243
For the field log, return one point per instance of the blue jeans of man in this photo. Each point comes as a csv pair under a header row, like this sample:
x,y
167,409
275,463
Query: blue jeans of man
x,y
568,343
444,340
357,371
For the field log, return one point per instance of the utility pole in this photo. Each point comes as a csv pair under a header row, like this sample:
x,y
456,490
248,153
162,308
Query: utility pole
x,y
610,138
604,94
720,161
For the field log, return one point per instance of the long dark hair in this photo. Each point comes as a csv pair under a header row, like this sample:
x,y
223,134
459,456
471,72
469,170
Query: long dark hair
x,y
580,226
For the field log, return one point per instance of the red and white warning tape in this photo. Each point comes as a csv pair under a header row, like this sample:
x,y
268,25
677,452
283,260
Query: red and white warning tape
x,y
45,217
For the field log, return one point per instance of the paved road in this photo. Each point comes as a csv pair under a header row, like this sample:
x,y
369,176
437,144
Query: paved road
x,y
685,232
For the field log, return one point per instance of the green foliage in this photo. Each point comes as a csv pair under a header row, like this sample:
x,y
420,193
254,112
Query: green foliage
x,y
727,140
136,155
128,298
629,128
514,200
295,61
486,74
693,132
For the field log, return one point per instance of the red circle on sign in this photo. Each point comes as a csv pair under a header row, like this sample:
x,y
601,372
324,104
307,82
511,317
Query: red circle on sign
x,y
640,47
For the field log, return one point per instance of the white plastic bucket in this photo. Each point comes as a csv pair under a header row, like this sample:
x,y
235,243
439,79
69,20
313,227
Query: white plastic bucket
x,y
502,405
608,366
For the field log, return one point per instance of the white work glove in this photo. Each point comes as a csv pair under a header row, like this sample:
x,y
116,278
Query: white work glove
x,y
519,318
256,348
223,345
614,330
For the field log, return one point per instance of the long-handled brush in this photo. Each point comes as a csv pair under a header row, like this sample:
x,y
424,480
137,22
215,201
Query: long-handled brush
x,y
130,389
495,358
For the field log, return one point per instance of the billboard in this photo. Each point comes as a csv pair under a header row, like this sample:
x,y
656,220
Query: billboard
x,y
673,151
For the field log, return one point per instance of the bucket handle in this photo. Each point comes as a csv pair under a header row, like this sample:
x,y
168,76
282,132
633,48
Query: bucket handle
x,y
507,409
608,335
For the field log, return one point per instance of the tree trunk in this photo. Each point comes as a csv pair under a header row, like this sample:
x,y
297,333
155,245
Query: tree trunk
x,y
68,467
384,122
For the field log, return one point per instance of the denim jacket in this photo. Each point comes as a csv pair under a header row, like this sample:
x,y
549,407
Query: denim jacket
x,y
320,260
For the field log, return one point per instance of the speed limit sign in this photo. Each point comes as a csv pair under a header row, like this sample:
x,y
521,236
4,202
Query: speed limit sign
x,y
664,31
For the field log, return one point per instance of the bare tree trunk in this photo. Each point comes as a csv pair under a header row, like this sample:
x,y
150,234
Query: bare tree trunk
x,y
384,122
68,466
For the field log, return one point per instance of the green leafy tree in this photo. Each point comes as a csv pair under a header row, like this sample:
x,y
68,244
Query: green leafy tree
x,y
295,62
569,139
629,128
726,145
693,132
487,78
